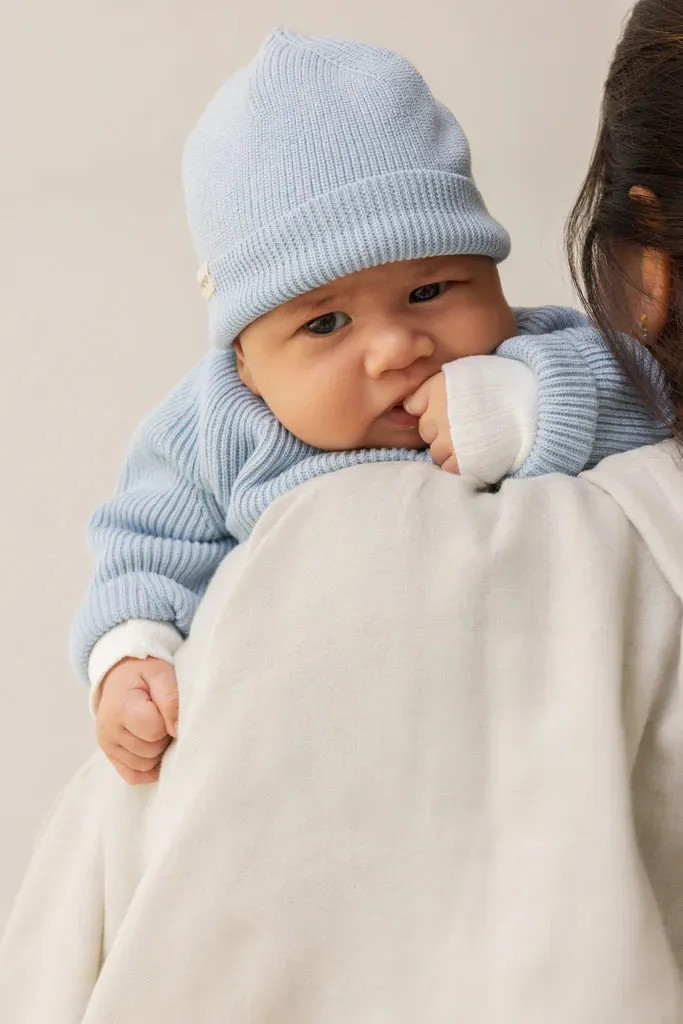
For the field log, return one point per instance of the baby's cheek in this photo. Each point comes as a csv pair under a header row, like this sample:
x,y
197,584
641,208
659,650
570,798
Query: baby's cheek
x,y
323,421
338,426
507,327
493,324
494,329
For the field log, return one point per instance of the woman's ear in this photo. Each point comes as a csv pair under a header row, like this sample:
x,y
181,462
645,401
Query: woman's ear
x,y
243,367
655,274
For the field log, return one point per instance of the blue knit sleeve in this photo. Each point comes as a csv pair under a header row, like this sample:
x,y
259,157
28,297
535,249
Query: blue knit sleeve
x,y
158,541
588,406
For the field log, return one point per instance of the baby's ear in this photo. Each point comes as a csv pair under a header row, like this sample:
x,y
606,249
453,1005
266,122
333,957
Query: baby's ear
x,y
243,367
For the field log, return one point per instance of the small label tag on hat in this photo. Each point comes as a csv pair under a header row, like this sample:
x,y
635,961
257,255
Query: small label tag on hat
x,y
206,285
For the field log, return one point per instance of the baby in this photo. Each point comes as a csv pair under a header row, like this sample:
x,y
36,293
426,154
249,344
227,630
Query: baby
x,y
350,275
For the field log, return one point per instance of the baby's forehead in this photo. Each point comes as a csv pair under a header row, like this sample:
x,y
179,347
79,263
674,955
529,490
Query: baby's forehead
x,y
399,273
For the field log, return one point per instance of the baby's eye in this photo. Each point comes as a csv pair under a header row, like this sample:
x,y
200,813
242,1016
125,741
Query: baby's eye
x,y
427,292
327,324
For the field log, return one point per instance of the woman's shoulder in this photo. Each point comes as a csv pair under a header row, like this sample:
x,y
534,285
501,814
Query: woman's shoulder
x,y
647,485
630,508
659,465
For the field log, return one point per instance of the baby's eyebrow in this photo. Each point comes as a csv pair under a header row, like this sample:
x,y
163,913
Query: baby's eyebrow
x,y
313,301
434,266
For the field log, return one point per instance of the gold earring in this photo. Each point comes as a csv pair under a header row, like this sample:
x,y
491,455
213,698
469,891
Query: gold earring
x,y
644,329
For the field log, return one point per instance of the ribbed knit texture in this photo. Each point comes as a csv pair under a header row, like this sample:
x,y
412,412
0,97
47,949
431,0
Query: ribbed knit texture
x,y
321,158
209,461
587,407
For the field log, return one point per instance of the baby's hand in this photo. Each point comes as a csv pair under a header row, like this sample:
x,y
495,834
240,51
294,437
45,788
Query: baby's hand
x,y
137,717
430,403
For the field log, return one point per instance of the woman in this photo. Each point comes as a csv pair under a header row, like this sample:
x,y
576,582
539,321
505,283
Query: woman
x,y
461,802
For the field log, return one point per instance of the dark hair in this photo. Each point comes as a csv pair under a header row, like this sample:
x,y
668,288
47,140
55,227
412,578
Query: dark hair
x,y
640,142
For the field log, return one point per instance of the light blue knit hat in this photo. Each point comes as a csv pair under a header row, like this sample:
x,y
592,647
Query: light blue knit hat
x,y
320,158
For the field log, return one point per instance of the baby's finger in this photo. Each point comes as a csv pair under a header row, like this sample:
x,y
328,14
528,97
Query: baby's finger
x,y
142,718
135,778
417,404
163,689
134,762
428,429
451,466
143,748
441,449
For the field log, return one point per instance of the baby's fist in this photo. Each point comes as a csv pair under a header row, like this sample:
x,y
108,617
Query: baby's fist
x,y
137,717
430,404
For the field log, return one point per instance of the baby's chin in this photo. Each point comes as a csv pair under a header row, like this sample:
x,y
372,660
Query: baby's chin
x,y
411,444
391,435
394,428
380,435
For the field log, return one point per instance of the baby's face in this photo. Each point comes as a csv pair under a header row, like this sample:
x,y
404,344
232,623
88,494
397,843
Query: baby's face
x,y
335,365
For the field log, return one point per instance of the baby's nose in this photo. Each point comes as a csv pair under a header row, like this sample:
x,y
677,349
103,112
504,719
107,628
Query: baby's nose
x,y
395,349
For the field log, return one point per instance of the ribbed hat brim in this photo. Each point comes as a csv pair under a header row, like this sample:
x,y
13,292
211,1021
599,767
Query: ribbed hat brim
x,y
402,216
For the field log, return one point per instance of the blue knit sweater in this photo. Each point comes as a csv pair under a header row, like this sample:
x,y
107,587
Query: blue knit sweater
x,y
208,462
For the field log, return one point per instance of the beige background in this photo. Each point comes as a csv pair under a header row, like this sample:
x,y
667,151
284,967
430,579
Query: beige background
x,y
99,312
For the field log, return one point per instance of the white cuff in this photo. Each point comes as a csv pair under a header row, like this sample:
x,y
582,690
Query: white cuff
x,y
493,415
137,638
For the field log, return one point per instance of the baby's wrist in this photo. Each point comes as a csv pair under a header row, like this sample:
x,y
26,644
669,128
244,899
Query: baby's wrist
x,y
493,415
137,638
